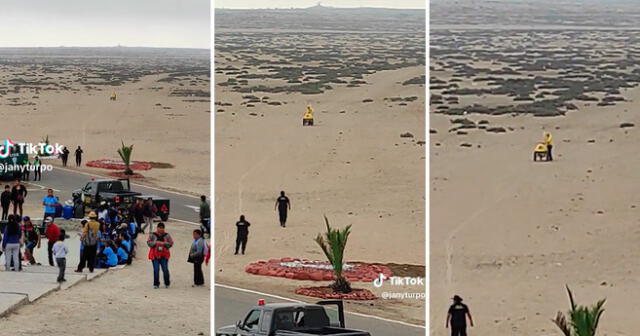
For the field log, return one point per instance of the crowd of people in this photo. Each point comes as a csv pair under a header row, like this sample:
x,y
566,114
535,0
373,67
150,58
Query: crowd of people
x,y
108,237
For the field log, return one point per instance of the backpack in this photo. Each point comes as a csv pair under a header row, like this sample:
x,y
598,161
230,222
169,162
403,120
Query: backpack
x,y
91,239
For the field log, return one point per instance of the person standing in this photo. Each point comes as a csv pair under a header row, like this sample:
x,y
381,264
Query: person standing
x,y
83,262
60,251
548,140
53,233
242,234
283,205
205,214
26,165
137,210
5,201
90,242
160,243
197,254
64,156
31,239
18,194
149,212
457,317
78,156
11,244
37,168
50,203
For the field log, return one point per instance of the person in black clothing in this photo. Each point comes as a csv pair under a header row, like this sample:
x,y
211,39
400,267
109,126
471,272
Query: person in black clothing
x,y
78,155
242,234
5,201
64,156
18,194
283,205
457,316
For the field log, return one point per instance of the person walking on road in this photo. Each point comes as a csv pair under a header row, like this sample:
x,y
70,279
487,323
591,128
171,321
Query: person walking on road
x,y
50,203
137,211
205,214
160,243
242,234
5,201
197,254
11,244
37,168
78,155
149,212
53,233
60,251
283,205
457,317
548,140
64,156
89,241
18,194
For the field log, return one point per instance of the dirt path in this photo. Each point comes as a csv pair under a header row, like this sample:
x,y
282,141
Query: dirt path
x,y
123,302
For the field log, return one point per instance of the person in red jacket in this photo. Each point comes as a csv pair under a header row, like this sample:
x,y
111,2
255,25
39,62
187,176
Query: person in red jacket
x,y
160,243
52,233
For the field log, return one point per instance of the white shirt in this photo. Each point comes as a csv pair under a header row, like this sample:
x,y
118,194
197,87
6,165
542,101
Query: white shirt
x,y
60,250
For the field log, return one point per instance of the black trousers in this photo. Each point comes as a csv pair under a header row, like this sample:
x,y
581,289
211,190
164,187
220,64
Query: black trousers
x,y
83,262
549,154
458,330
89,255
64,161
37,174
198,276
5,211
283,216
50,252
241,241
78,161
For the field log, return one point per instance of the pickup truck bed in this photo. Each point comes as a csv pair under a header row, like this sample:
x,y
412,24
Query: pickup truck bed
x,y
322,331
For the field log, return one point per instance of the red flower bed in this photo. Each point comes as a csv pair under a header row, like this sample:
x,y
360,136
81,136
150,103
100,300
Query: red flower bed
x,y
118,165
302,269
328,293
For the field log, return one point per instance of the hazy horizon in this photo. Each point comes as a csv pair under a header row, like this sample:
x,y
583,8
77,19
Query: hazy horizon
x,y
79,23
300,4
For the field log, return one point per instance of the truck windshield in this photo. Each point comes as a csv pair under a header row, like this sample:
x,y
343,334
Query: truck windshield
x,y
301,319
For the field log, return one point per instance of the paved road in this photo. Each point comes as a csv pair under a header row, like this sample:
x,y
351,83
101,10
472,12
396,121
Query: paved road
x,y
232,305
65,181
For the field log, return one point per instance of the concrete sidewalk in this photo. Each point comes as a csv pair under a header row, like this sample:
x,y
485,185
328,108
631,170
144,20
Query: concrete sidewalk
x,y
34,282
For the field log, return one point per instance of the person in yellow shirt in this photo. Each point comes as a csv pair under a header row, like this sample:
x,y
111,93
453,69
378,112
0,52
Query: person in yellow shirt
x,y
548,140
113,96
307,120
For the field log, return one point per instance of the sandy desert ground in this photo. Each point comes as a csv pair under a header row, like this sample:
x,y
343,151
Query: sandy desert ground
x,y
162,106
123,302
352,166
507,234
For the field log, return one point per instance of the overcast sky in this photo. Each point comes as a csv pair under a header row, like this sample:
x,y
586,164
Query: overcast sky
x,y
146,23
309,3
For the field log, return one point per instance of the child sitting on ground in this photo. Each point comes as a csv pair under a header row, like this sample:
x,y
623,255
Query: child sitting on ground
x,y
123,256
109,257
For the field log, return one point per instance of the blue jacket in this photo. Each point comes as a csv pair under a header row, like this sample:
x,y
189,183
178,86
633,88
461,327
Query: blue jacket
x,y
112,258
122,255
10,239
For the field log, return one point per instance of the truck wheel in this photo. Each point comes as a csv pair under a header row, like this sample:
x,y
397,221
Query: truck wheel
x,y
164,217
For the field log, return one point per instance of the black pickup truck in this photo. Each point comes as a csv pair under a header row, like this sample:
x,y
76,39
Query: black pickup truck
x,y
292,319
117,192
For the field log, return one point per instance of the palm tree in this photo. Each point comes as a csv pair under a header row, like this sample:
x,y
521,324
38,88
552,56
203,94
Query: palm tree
x,y
125,155
333,244
582,321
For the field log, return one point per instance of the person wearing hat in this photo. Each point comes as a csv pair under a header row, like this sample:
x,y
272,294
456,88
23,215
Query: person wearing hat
x,y
89,240
457,316
53,233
